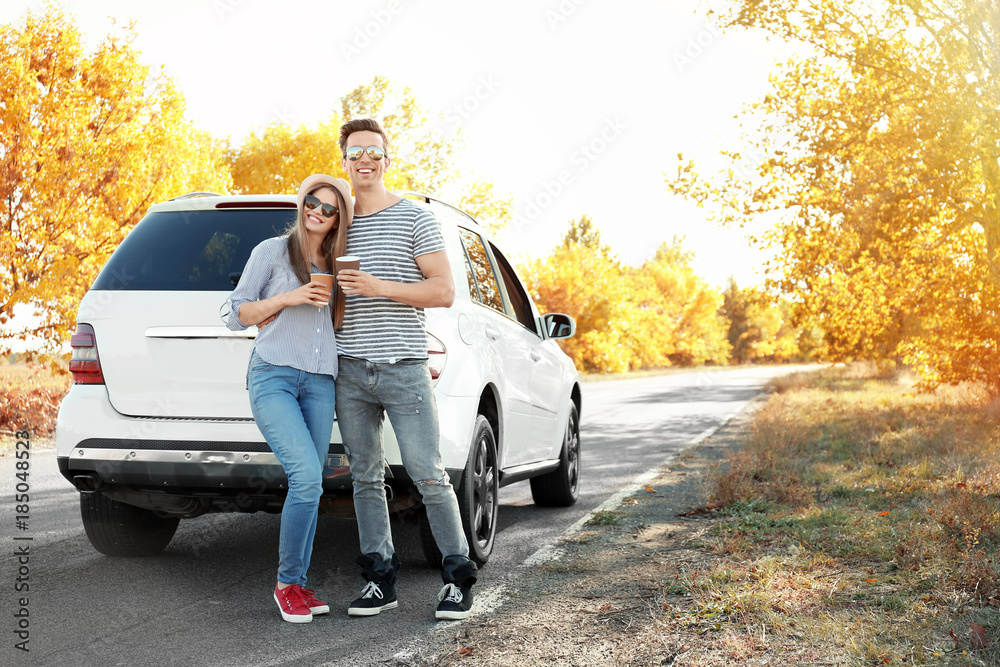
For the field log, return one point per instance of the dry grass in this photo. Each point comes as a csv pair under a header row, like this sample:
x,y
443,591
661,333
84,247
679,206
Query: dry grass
x,y
29,399
866,514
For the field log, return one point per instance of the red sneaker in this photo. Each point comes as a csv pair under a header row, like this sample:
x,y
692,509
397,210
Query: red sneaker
x,y
292,604
315,606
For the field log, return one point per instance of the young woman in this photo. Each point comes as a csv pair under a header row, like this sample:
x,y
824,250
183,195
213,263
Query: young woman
x,y
293,367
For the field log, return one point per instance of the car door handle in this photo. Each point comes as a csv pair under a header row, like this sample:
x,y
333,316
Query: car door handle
x,y
535,356
491,333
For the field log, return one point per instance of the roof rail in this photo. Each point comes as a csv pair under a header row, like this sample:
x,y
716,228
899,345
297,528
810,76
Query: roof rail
x,y
421,195
195,195
428,199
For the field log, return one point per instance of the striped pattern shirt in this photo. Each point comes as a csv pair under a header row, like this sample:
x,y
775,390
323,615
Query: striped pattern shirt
x,y
300,336
388,242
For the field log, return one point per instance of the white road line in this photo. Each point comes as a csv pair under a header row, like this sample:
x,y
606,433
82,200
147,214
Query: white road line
x,y
493,598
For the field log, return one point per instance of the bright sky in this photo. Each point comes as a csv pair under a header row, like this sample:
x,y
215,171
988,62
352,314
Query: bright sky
x,y
573,106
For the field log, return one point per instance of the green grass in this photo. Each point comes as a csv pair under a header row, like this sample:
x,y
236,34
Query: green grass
x,y
605,518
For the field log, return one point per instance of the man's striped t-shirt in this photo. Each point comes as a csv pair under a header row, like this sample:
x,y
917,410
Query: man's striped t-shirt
x,y
388,241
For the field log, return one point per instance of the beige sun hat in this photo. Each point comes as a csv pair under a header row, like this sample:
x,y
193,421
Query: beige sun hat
x,y
342,186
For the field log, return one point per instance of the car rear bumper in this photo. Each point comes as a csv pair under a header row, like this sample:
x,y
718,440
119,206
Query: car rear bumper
x,y
187,466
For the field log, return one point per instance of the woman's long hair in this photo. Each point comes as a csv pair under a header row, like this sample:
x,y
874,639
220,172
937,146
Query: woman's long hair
x,y
334,245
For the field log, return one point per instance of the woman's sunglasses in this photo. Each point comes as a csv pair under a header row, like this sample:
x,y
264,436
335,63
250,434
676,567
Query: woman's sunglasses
x,y
374,152
326,210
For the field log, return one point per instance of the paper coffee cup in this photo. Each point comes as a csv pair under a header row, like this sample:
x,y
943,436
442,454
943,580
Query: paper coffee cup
x,y
326,279
347,262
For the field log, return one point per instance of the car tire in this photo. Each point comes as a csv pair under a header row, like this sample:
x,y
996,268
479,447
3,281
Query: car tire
x,y
561,487
120,529
478,499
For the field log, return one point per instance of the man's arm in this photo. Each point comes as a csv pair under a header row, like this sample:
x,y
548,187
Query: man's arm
x,y
436,290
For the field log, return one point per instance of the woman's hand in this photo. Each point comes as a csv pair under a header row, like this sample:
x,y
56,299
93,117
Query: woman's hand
x,y
311,294
264,311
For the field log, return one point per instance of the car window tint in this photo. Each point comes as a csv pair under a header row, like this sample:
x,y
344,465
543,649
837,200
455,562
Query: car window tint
x,y
189,250
515,293
489,289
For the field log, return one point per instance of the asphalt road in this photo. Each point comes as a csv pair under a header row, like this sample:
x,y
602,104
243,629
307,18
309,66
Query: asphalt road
x,y
206,600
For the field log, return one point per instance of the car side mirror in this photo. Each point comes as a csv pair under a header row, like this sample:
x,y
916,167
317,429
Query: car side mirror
x,y
558,325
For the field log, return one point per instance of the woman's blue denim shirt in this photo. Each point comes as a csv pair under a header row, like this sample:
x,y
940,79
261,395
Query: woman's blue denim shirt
x,y
301,337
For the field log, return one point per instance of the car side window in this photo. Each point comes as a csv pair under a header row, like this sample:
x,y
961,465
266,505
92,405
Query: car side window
x,y
515,293
481,272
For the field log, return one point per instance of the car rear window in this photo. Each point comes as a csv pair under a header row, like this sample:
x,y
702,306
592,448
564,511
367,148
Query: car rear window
x,y
190,250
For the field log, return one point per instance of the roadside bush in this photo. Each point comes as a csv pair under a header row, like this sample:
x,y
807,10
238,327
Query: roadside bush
x,y
29,400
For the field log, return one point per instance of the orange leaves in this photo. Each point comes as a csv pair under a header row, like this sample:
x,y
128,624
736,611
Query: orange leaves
x,y
88,152
977,636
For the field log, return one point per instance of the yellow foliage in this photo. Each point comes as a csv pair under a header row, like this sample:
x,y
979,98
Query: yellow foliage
x,y
760,329
878,158
90,140
278,158
658,315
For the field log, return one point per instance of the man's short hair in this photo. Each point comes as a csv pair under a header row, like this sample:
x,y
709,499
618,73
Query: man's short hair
x,y
361,125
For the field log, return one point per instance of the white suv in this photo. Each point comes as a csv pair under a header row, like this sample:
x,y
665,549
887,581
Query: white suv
x,y
157,426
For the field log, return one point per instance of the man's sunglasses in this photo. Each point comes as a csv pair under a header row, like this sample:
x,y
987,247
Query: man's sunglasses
x,y
326,210
374,152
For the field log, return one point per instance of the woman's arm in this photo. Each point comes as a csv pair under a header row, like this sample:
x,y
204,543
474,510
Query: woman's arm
x,y
254,312
245,303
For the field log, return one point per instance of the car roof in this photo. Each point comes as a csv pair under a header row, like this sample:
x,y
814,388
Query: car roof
x,y
201,201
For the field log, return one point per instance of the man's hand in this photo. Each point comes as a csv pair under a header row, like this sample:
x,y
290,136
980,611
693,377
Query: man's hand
x,y
436,289
354,281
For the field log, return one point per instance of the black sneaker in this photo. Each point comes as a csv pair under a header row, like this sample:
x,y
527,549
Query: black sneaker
x,y
456,603
375,597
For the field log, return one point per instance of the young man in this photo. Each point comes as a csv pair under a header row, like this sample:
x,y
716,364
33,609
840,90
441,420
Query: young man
x,y
383,370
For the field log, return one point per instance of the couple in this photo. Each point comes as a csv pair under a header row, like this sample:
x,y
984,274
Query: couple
x,y
301,371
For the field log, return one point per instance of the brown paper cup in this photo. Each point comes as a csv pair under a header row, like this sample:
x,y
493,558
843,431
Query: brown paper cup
x,y
347,262
324,278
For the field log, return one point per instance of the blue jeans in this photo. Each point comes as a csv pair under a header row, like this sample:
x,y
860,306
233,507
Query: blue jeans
x,y
294,411
366,392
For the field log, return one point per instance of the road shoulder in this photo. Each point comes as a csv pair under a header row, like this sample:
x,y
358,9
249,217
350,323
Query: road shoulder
x,y
613,591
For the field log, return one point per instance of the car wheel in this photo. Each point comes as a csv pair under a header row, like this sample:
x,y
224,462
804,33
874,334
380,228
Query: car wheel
x,y
561,487
478,499
120,529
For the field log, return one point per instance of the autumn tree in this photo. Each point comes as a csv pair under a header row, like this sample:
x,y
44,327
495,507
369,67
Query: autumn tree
x,y
678,312
584,279
90,139
759,329
878,150
656,315
277,158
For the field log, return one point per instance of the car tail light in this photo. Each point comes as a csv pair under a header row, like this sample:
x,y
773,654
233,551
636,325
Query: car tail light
x,y
85,365
437,355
